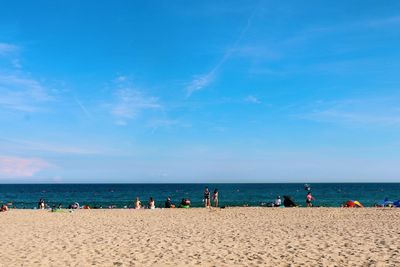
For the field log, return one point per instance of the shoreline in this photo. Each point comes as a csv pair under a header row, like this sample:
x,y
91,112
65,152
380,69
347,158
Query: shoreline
x,y
201,208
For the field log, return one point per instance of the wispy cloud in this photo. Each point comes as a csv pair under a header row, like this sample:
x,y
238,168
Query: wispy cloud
x,y
200,82
130,102
18,167
383,22
376,111
354,25
7,49
166,123
354,117
56,148
121,78
21,93
83,108
257,51
252,99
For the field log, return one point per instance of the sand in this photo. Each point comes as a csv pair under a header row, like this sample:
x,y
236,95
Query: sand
x,y
217,237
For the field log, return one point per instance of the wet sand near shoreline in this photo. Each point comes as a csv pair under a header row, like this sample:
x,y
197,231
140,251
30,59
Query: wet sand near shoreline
x,y
203,237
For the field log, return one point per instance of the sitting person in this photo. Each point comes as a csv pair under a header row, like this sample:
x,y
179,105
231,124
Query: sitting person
x,y
138,204
278,202
3,208
168,203
75,206
185,203
152,204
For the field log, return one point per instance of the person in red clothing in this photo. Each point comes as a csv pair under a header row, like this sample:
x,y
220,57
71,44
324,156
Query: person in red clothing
x,y
309,199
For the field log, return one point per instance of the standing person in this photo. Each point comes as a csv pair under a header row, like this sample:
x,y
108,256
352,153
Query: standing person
x,y
41,204
309,199
215,197
152,204
278,202
206,197
138,204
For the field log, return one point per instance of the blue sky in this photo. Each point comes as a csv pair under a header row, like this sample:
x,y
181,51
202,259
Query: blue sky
x,y
207,91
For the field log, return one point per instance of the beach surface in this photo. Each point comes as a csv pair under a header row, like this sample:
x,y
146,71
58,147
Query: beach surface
x,y
203,237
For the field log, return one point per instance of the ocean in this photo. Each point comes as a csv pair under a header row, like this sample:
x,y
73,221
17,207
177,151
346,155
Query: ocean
x,y
123,195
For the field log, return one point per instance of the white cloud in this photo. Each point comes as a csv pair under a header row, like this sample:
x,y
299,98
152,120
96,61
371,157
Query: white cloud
x,y
18,167
130,103
19,93
252,99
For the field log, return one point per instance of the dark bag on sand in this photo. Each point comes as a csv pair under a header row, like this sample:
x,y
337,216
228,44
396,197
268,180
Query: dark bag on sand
x,y
288,202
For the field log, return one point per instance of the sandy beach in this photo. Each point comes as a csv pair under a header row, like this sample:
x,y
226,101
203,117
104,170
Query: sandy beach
x,y
217,237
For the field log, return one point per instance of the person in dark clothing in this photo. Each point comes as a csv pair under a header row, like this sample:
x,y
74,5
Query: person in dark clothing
x,y
168,203
206,197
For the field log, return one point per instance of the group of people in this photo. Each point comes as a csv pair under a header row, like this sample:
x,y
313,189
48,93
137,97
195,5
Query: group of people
x,y
206,199
151,204
185,203
288,202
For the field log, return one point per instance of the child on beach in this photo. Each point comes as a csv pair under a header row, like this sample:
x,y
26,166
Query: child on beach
x,y
309,199
215,197
138,204
206,197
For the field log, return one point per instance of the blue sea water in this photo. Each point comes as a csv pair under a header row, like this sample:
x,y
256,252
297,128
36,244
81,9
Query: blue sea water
x,y
120,195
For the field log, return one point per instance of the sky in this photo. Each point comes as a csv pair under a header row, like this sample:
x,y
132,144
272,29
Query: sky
x,y
199,91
